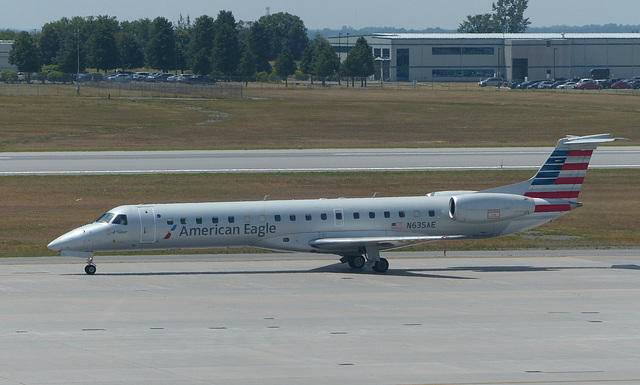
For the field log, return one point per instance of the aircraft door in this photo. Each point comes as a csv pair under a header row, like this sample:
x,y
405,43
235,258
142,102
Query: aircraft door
x,y
338,217
147,224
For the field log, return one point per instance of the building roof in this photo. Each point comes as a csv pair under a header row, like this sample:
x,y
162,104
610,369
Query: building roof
x,y
513,36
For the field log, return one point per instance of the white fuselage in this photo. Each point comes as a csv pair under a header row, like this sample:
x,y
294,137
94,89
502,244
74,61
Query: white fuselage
x,y
290,225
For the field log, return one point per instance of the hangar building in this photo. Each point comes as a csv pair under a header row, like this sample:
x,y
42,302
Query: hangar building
x,y
469,57
5,48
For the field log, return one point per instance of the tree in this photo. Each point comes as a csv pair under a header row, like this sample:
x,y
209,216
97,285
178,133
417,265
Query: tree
x,y
102,47
247,66
482,23
326,62
260,45
183,40
307,64
507,17
161,49
7,34
25,55
285,29
285,65
49,43
359,62
226,50
201,45
129,51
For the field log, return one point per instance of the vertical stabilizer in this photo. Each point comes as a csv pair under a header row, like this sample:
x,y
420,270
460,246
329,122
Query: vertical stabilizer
x,y
562,175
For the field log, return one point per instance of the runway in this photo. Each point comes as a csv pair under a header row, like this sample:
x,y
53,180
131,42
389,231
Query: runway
x,y
534,317
146,162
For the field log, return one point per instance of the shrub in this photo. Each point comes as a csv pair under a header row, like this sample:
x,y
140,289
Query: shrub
x,y
9,76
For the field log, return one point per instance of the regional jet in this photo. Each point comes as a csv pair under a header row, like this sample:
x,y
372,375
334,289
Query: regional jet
x,y
355,229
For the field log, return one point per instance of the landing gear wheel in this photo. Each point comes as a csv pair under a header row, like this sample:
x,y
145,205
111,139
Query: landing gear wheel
x,y
90,269
357,262
381,266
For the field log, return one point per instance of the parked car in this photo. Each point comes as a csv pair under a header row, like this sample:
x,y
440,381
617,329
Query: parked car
x,y
139,76
545,85
201,79
514,83
118,78
588,85
621,85
490,82
158,77
90,77
568,86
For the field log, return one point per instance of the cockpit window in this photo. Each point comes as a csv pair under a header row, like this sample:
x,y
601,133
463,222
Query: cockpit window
x,y
106,218
120,220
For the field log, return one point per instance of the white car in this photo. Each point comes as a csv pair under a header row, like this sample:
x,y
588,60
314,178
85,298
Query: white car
x,y
568,86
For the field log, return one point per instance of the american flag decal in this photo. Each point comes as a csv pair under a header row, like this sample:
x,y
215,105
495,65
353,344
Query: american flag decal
x,y
396,225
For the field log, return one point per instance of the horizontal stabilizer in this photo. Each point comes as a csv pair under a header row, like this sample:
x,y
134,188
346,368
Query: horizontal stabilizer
x,y
590,139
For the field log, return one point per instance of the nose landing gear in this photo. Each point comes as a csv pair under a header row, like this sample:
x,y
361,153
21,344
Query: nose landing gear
x,y
90,268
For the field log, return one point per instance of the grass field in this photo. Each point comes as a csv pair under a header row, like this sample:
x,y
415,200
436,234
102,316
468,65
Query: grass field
x,y
35,210
38,209
315,118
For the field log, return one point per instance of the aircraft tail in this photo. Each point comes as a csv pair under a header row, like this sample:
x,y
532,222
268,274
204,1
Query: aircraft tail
x,y
561,176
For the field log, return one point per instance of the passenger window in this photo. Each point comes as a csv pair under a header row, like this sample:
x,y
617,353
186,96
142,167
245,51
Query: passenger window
x,y
231,219
277,218
199,220
183,221
401,214
372,215
387,214
292,217
247,219
307,217
356,215
169,221
338,216
432,213
323,216
263,218
214,219
120,220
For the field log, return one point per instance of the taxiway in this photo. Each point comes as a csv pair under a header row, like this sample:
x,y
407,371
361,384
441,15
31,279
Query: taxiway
x,y
529,317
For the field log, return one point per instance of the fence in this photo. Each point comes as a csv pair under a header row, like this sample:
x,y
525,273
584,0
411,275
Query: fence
x,y
132,89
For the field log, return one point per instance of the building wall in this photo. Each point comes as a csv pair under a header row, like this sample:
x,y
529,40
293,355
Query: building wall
x,y
5,48
460,57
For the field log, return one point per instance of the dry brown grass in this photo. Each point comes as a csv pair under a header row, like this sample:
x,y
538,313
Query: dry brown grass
x,y
35,210
316,118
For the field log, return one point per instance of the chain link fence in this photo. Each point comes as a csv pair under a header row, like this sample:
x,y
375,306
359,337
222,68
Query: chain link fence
x,y
130,89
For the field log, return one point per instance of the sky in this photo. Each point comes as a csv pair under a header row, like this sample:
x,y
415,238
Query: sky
x,y
319,14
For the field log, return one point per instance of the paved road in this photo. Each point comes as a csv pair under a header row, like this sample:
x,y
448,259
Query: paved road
x,y
571,317
57,163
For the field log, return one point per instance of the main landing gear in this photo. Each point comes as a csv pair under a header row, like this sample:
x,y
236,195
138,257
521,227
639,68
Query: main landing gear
x,y
90,268
370,256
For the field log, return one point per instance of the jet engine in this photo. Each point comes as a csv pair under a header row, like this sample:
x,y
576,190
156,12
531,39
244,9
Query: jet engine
x,y
489,207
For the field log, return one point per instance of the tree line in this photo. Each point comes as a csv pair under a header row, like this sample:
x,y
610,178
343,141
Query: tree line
x,y
221,47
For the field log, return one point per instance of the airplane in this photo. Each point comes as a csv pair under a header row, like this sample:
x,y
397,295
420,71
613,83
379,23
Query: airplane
x,y
356,229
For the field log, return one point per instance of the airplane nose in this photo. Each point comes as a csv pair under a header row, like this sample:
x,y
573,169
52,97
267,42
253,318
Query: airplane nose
x,y
73,240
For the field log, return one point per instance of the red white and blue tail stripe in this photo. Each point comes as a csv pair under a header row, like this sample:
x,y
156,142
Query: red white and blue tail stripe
x,y
557,184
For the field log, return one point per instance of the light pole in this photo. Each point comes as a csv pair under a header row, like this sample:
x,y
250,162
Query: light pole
x,y
78,69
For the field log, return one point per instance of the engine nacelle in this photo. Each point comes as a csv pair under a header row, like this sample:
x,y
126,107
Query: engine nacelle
x,y
489,207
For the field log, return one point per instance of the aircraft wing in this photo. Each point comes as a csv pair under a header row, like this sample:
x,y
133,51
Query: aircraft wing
x,y
383,243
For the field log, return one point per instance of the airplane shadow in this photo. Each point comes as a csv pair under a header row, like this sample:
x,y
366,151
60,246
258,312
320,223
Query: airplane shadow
x,y
339,268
